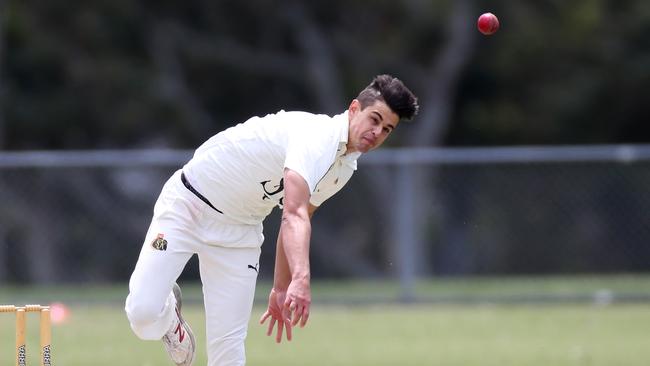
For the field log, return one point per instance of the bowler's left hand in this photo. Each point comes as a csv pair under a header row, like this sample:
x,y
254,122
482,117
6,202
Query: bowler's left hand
x,y
278,314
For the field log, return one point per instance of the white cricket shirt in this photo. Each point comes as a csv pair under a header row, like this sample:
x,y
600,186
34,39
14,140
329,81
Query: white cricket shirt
x,y
240,170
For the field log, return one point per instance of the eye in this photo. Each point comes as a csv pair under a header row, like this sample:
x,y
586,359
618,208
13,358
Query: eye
x,y
387,130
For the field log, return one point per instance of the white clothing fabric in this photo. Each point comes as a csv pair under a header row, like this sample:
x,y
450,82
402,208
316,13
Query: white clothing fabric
x,y
229,274
336,177
240,172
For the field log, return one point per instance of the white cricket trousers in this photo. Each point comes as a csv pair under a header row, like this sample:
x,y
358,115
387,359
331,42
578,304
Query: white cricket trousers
x,y
183,225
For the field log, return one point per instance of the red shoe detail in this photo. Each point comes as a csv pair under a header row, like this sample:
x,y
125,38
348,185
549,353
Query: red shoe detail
x,y
181,332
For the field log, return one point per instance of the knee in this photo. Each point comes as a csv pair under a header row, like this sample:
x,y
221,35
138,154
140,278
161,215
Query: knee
x,y
142,311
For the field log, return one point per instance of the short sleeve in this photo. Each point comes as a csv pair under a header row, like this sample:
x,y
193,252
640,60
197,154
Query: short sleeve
x,y
311,151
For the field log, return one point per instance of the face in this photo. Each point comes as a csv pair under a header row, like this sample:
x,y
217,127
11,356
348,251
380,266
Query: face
x,y
369,127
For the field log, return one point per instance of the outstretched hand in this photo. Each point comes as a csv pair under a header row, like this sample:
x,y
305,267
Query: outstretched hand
x,y
287,309
279,314
297,301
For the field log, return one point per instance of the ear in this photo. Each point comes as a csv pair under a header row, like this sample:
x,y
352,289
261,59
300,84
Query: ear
x,y
354,108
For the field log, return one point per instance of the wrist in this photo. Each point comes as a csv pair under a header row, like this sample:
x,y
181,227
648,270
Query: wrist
x,y
301,277
279,288
281,285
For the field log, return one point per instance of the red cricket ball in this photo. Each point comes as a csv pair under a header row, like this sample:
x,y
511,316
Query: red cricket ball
x,y
488,23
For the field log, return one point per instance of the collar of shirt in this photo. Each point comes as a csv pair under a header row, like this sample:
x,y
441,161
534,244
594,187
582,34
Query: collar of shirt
x,y
351,158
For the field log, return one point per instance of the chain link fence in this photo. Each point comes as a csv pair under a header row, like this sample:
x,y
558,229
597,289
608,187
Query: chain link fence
x,y
81,216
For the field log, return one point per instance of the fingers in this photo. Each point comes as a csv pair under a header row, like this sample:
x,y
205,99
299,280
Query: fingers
x,y
286,320
297,313
264,317
288,326
269,331
281,325
278,336
305,317
286,314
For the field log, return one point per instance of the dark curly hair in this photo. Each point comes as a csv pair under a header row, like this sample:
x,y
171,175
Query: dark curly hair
x,y
393,92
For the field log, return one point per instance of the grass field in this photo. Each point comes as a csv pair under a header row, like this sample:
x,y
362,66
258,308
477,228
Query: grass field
x,y
443,333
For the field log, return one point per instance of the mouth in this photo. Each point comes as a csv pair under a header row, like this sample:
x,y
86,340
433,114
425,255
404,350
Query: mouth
x,y
370,141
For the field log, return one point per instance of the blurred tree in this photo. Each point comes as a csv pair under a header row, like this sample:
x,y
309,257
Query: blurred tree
x,y
2,52
559,73
137,73
129,74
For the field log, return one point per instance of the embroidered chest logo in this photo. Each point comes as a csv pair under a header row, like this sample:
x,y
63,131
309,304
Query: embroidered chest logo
x,y
272,190
159,243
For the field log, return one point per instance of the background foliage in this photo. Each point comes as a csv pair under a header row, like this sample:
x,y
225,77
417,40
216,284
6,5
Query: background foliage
x,y
128,74
91,74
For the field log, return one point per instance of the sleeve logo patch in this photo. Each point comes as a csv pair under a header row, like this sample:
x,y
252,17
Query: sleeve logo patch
x,y
159,243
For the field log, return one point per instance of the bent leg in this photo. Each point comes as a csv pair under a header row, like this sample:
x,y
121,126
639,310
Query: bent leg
x,y
150,303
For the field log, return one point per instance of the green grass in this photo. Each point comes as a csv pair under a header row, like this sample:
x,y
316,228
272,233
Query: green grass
x,y
567,335
380,335
447,333
454,290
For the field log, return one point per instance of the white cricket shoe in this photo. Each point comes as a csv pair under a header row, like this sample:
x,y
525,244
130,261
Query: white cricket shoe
x,y
179,339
